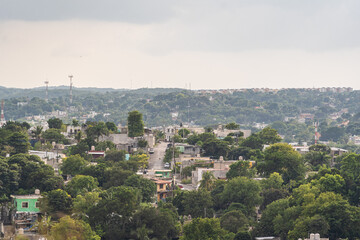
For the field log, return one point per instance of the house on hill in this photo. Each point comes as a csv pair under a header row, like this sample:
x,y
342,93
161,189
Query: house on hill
x,y
26,209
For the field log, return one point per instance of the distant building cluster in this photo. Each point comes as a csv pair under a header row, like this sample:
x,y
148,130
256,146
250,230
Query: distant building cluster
x,y
268,90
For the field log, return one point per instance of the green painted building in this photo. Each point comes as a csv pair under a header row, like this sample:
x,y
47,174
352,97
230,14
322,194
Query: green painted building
x,y
26,203
163,173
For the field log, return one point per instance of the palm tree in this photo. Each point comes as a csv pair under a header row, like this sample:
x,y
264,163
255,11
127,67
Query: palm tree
x,y
75,123
207,181
97,130
78,136
37,132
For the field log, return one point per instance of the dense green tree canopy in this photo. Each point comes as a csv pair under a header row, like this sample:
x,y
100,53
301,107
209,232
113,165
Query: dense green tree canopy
x,y
242,190
73,165
135,124
240,168
203,228
282,158
55,123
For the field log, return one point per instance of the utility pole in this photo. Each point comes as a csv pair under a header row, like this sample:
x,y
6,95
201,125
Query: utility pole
x,y
173,180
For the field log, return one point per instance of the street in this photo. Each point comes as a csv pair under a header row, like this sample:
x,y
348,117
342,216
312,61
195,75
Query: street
x,y
156,159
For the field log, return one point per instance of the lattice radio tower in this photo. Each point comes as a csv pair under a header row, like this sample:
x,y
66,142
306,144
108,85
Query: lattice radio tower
x,y
2,120
71,77
47,91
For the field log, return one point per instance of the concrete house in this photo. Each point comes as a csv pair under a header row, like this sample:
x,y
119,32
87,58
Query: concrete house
x,y
187,149
163,189
26,209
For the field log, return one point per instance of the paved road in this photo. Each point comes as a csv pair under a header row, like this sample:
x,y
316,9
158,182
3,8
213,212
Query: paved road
x,y
156,159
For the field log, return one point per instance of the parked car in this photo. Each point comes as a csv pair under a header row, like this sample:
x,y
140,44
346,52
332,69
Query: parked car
x,y
167,165
151,150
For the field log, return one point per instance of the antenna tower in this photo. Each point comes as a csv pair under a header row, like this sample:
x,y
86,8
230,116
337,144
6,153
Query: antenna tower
x,y
47,93
2,120
71,77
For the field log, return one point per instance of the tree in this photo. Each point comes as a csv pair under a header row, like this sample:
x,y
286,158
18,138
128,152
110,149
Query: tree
x,y
232,126
146,186
55,123
332,134
37,132
70,229
245,153
318,155
275,181
198,204
253,142
142,143
203,228
272,194
234,221
266,227
240,168
216,148
269,136
330,183
114,211
242,190
243,235
105,146
169,154
184,132
73,165
156,223
78,136
350,170
207,181
115,155
141,159
97,130
79,149
19,142
135,124
56,203
53,135
115,176
43,225
9,178
282,158
83,203
81,184
75,122
265,136
111,127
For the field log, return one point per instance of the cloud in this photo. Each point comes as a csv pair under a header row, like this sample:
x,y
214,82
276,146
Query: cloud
x,y
211,43
134,11
212,25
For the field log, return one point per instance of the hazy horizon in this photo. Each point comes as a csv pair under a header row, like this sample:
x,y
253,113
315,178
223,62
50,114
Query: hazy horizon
x,y
212,44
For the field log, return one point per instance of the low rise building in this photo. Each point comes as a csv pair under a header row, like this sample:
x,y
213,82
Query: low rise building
x,y
163,189
219,171
186,149
26,209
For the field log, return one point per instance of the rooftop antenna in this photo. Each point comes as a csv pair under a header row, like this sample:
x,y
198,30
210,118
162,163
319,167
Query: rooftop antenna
x,y
47,93
2,120
71,77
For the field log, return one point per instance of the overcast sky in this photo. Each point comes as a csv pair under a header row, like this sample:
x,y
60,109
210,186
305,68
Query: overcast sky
x,y
164,43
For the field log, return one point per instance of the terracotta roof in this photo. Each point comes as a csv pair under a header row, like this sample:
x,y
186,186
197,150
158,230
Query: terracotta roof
x,y
158,181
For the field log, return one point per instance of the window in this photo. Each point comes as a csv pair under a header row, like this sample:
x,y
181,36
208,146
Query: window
x,y
37,204
25,204
161,186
